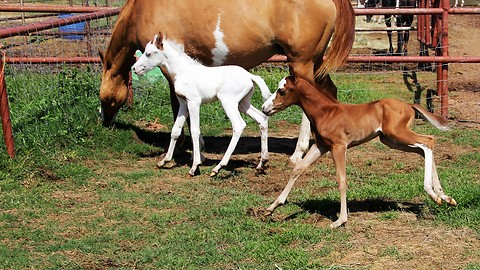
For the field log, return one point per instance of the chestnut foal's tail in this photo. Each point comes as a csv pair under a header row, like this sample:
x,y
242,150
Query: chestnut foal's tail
x,y
439,122
342,41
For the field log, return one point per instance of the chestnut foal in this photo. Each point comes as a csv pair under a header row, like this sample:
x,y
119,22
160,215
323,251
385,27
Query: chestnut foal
x,y
339,126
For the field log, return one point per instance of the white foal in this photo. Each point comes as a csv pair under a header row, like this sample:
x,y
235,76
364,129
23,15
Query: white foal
x,y
196,84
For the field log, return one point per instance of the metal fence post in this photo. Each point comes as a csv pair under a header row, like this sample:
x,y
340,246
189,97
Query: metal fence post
x,y
5,111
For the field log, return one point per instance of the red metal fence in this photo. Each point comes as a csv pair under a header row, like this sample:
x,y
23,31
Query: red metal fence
x,y
432,32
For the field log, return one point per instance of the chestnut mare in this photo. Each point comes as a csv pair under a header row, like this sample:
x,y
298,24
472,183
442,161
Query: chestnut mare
x,y
244,33
339,126
196,84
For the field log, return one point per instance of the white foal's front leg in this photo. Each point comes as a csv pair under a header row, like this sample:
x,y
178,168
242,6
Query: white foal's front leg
x,y
194,111
312,155
238,124
176,132
303,141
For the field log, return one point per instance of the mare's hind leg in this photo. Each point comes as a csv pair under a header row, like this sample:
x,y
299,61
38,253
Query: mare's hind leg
x,y
422,145
262,120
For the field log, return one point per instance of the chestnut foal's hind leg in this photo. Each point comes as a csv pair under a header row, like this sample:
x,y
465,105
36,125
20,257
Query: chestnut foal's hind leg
x,y
412,142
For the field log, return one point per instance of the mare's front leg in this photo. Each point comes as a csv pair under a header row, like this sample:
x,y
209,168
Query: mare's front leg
x,y
339,158
194,110
312,155
176,132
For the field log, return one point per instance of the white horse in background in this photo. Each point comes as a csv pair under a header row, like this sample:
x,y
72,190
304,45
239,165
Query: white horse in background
x,y
196,84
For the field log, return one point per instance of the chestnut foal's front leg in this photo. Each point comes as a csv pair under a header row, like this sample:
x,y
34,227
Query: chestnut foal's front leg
x,y
339,153
312,155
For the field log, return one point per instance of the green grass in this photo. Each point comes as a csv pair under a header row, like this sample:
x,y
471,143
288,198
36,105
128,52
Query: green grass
x,y
79,195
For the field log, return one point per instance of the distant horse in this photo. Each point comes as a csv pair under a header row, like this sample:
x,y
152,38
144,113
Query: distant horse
x,y
196,84
400,21
244,33
339,126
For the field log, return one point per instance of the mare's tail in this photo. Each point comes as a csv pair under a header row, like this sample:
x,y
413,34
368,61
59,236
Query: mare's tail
x,y
439,122
342,40
262,85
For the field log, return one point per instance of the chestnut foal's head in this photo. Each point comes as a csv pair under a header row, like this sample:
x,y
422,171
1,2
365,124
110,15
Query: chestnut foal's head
x,y
285,96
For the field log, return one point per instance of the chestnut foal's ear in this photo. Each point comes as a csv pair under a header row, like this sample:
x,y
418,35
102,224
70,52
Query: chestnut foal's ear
x,y
290,69
159,41
292,73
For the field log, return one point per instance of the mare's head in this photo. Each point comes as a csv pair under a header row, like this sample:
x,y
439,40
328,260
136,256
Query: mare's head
x,y
153,56
285,96
114,86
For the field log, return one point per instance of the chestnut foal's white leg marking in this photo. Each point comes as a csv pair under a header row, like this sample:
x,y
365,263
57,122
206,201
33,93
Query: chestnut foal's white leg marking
x,y
437,187
303,141
428,180
176,131
312,155
221,50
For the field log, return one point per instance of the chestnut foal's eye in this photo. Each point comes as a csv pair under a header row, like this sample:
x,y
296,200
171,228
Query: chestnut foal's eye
x,y
281,91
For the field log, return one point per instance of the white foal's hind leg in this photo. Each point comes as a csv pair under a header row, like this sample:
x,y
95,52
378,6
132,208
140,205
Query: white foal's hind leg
x,y
176,132
238,124
262,120
303,141
194,111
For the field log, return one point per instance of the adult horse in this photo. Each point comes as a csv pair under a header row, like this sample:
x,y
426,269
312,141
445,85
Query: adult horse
x,y
244,33
403,20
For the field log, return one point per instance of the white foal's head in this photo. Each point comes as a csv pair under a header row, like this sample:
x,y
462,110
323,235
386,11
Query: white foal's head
x,y
153,56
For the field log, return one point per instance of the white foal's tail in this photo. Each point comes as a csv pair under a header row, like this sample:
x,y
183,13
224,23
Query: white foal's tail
x,y
439,122
262,85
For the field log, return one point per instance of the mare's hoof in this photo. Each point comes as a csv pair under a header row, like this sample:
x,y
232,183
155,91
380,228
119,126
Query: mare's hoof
x,y
213,174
